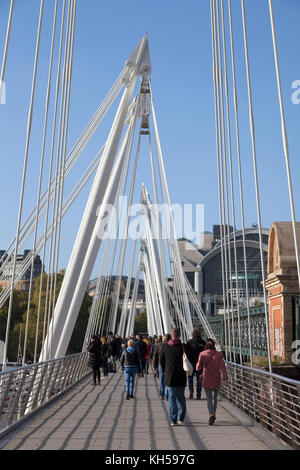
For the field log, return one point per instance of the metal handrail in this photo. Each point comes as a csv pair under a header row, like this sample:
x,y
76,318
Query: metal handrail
x,y
24,389
270,399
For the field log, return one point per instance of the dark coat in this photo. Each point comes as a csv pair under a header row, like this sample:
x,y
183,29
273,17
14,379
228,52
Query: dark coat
x,y
193,348
95,357
172,365
141,348
156,355
131,359
105,350
112,347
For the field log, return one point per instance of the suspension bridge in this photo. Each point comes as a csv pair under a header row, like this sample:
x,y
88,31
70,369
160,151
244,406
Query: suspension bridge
x,y
49,403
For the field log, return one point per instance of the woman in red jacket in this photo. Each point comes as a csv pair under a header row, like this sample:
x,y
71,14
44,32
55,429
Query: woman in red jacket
x,y
212,363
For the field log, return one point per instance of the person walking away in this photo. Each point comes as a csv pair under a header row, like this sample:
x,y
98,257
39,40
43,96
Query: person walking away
x,y
112,349
118,340
193,348
147,355
142,351
153,343
95,357
105,354
171,360
131,365
212,363
157,367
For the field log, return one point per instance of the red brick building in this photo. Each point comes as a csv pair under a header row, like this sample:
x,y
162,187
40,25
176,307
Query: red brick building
x,y
283,290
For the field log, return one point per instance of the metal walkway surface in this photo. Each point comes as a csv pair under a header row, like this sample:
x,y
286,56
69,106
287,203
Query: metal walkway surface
x,y
91,417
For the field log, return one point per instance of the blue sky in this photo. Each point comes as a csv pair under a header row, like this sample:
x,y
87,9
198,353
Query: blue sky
x,y
180,47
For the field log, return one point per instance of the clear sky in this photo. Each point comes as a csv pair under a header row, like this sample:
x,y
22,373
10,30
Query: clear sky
x,y
180,46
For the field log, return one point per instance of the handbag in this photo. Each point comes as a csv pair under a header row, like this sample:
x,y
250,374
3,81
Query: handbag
x,y
187,366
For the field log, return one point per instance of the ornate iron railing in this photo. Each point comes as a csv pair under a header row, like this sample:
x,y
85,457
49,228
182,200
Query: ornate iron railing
x,y
258,331
270,399
25,389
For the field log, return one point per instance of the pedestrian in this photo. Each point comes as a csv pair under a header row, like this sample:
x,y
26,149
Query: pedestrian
x,y
112,351
152,340
105,354
147,355
171,360
193,348
131,365
118,340
141,347
157,367
95,357
212,363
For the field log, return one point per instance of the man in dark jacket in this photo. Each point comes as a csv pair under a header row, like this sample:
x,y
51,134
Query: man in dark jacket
x,y
193,348
95,357
142,350
171,360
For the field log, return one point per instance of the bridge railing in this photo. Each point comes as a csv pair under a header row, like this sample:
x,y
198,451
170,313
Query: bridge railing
x,y
270,399
24,389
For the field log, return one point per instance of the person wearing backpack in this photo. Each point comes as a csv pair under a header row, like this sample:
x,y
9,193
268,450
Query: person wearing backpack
x,y
131,365
194,347
212,363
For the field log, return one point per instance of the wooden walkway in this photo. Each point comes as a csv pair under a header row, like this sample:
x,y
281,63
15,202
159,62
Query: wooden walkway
x,y
99,417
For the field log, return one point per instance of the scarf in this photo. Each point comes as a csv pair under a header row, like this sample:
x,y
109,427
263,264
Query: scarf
x,y
172,342
130,349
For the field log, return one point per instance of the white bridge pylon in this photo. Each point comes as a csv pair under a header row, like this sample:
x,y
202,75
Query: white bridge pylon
x,y
168,298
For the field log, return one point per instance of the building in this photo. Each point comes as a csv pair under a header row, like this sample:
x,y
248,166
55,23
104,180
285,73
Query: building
x,y
283,293
24,282
204,268
110,285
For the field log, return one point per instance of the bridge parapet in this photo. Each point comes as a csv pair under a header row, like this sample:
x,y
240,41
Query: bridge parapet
x,y
258,331
23,390
270,399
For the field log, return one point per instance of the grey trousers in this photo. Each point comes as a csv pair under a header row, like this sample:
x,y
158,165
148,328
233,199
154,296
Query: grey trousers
x,y
212,399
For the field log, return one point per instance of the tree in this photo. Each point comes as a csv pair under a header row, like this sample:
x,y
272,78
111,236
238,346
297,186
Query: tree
x,y
140,325
19,319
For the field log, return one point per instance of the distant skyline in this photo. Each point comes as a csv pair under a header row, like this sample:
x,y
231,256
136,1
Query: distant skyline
x,y
179,36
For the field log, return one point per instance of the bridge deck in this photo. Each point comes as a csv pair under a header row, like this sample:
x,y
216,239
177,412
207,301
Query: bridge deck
x,y
88,417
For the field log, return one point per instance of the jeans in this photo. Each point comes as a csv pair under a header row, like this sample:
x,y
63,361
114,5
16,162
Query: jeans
x,y
212,399
198,383
176,403
162,388
130,373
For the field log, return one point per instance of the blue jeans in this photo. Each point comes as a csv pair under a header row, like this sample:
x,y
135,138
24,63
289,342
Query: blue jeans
x,y
212,400
162,388
130,373
176,403
198,383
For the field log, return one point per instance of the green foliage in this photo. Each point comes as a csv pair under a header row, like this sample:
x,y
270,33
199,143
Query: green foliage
x,y
140,324
19,317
